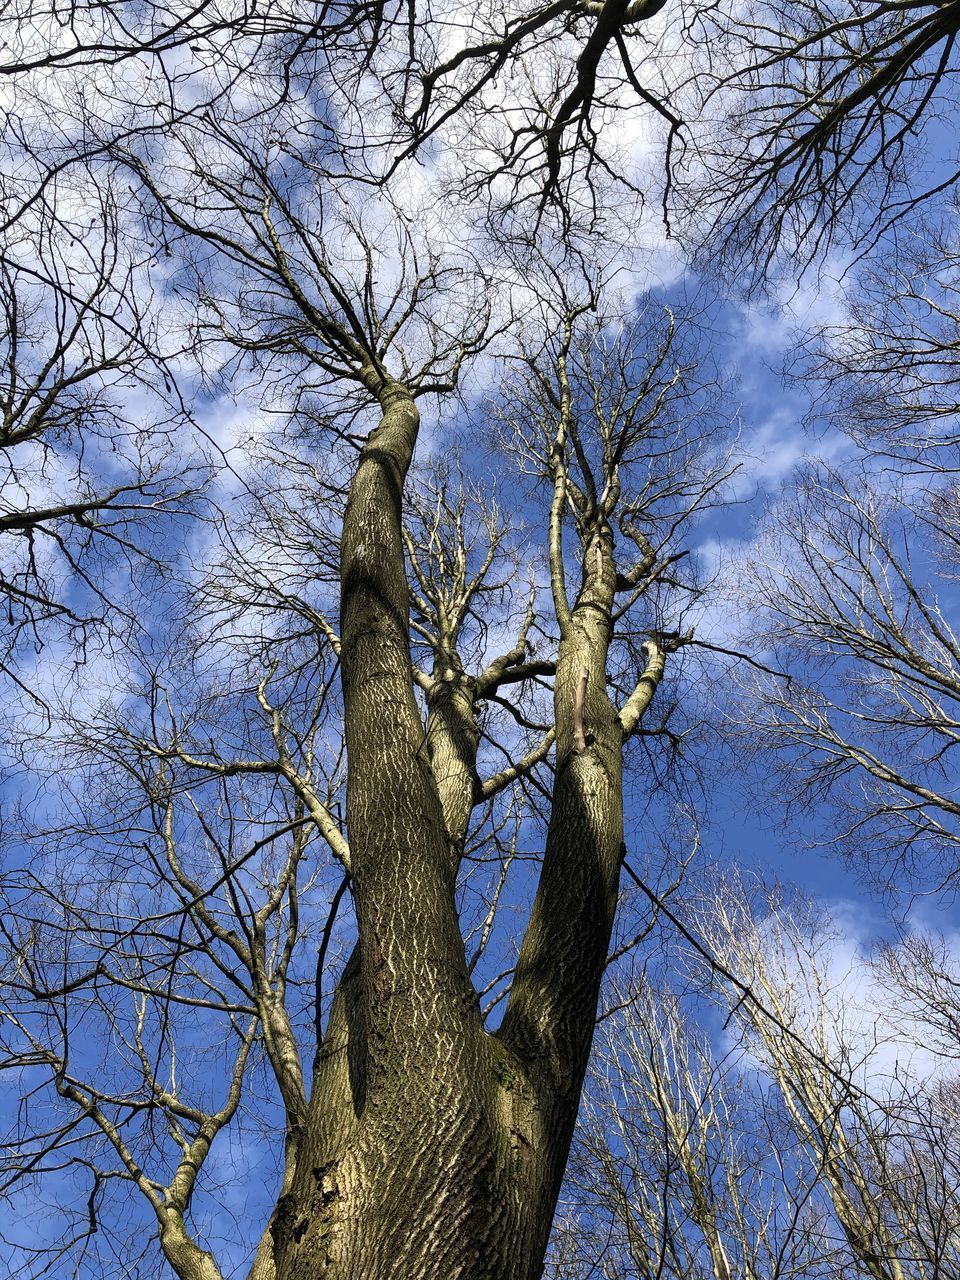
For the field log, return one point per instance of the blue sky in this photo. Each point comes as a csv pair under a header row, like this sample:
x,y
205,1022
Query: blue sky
x,y
236,412
740,822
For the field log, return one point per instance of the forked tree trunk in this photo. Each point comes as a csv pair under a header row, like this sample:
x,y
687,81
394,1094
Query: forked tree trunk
x,y
432,1149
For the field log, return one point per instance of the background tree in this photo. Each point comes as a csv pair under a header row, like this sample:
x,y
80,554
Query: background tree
x,y
818,125
679,1167
888,368
89,418
809,1134
856,584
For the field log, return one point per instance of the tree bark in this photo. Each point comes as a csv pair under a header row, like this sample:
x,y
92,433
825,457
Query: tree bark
x,y
550,1016
401,1171
432,1149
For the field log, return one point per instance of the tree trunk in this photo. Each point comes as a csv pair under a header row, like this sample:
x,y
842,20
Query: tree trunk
x,y
433,1150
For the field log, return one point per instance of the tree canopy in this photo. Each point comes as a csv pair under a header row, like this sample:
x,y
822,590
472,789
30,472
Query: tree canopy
x,y
378,397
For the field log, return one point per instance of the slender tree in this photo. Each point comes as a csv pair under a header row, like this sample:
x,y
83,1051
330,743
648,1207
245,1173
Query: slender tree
x,y
855,585
814,1137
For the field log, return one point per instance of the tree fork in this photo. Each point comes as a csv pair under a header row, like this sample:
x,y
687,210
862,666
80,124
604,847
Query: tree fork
x,y
405,1172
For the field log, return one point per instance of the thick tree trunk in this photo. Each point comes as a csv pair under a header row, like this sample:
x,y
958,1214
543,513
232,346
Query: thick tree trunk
x,y
405,1161
550,1016
433,1150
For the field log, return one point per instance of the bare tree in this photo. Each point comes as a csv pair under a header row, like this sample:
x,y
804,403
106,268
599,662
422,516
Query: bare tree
x,y
410,1099
819,126
882,1135
680,1167
420,1139
367,713
853,596
887,373
88,420
810,1136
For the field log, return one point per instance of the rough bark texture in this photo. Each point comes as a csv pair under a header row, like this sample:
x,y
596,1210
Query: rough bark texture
x,y
550,1016
431,1149
402,1162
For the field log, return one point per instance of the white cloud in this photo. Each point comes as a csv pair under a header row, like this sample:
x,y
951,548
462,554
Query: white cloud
x,y
772,451
844,1006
